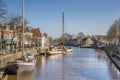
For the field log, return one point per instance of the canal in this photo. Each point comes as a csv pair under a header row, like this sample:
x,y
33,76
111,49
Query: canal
x,y
82,64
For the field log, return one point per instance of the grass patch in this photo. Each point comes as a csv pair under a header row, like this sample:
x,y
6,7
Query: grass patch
x,y
112,49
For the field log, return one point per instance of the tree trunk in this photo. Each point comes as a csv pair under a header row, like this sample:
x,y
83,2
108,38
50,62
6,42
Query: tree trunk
x,y
11,46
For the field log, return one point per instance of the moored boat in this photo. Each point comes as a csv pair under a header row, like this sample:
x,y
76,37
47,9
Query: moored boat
x,y
26,65
69,50
59,50
27,62
19,66
54,50
65,49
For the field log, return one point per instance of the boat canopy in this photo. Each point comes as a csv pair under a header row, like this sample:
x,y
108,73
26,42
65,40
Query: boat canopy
x,y
30,56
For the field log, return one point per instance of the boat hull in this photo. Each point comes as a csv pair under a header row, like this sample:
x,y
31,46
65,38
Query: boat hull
x,y
59,52
69,50
25,67
18,68
54,52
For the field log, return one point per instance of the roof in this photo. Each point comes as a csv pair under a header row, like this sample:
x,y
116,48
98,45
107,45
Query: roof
x,y
84,39
37,33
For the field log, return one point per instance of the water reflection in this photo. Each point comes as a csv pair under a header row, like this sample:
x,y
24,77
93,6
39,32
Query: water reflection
x,y
82,64
53,57
12,77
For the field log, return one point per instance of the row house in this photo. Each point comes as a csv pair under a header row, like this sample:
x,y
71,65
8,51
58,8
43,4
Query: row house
x,y
28,39
87,42
5,32
5,36
32,38
101,40
36,37
39,39
71,42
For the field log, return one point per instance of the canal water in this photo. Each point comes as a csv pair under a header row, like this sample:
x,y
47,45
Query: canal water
x,y
82,64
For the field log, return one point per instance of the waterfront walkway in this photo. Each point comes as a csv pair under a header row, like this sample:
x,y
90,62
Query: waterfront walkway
x,y
114,54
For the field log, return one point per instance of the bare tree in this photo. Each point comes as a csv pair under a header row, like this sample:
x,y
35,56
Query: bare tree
x,y
80,35
3,9
16,21
68,36
50,40
114,30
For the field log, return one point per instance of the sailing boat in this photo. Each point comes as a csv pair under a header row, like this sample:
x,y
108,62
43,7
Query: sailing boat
x,y
25,63
64,49
61,49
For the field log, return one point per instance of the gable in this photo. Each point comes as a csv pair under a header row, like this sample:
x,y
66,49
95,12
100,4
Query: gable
x,y
37,33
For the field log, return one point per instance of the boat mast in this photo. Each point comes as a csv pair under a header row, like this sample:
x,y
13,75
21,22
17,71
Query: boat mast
x,y
63,29
22,27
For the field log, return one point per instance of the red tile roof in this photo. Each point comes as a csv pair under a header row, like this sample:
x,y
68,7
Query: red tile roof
x,y
37,33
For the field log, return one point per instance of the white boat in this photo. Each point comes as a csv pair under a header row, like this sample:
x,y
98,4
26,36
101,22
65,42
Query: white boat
x,y
69,50
61,49
54,50
65,49
25,63
19,66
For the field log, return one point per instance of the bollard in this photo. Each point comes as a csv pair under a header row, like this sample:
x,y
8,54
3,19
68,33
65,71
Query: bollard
x,y
1,75
5,77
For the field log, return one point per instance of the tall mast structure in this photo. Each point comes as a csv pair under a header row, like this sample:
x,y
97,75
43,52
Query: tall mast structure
x,y
22,27
63,29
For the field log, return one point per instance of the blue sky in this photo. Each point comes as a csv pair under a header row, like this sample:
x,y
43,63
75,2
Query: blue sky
x,y
87,16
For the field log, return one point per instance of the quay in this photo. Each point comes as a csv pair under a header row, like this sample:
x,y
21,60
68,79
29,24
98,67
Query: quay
x,y
3,77
4,59
113,55
9,57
